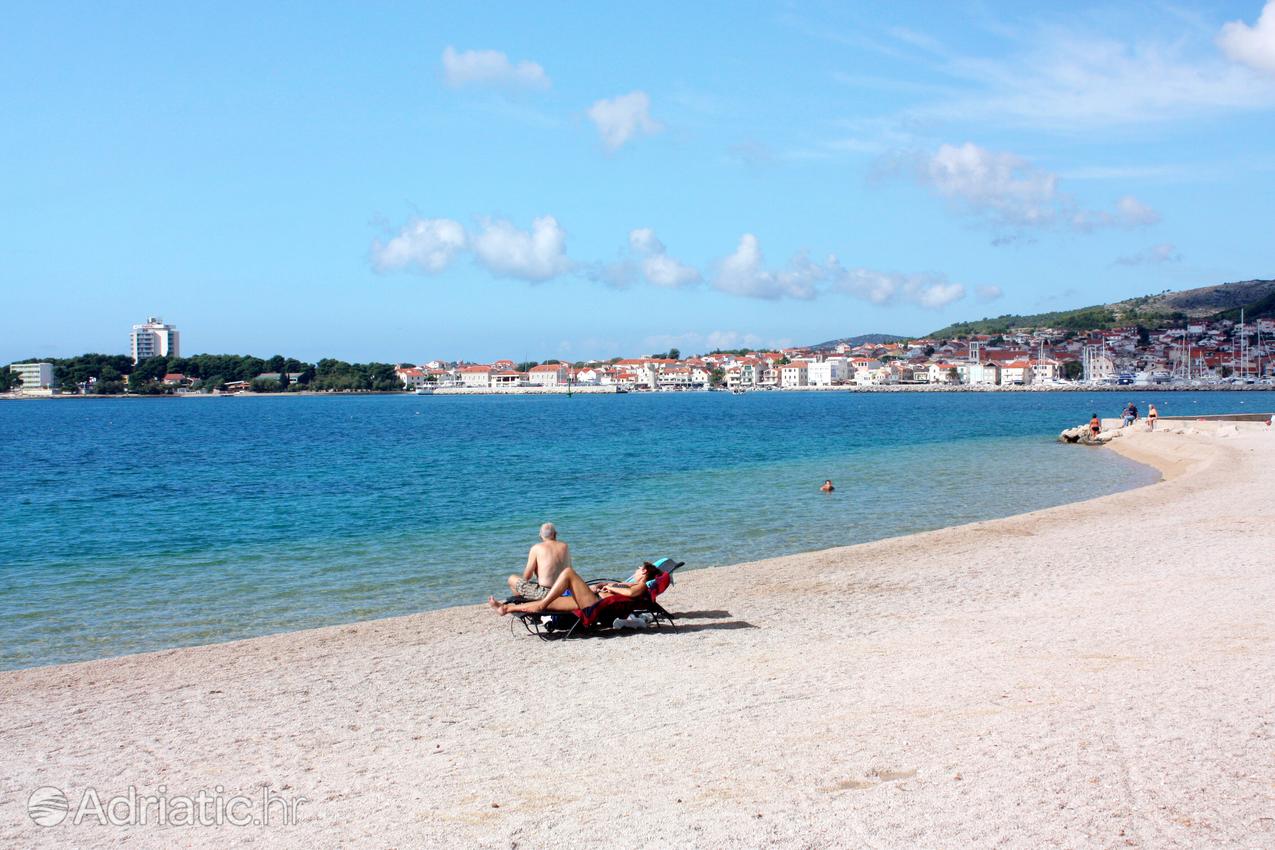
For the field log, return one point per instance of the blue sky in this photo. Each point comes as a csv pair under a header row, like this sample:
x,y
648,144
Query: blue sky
x,y
410,181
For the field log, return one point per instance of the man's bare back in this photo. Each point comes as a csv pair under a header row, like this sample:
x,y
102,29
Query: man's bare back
x,y
545,562
547,559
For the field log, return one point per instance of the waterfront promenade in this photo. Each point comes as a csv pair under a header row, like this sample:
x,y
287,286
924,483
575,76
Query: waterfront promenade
x,y
1094,675
1076,387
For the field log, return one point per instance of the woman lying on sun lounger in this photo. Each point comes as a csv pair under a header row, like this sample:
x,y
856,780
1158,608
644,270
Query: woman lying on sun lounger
x,y
582,596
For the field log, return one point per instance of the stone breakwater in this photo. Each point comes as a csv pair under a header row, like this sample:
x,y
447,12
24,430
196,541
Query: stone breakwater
x,y
572,390
882,388
1221,425
1047,388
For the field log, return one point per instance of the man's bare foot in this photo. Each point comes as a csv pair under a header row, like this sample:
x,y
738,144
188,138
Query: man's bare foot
x,y
495,606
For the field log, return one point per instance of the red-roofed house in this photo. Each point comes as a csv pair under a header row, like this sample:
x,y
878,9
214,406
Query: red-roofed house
x,y
475,376
792,375
548,375
1016,372
412,379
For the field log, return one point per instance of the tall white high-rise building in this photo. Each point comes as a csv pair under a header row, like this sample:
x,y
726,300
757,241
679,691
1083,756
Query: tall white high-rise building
x,y
154,339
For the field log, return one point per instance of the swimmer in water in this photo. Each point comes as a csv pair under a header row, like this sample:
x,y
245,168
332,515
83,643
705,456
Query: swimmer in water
x,y
827,486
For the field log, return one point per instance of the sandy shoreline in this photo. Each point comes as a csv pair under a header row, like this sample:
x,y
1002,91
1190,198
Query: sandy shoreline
x,y
1093,675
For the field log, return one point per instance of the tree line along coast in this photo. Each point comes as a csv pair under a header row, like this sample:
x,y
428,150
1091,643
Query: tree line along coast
x,y
117,374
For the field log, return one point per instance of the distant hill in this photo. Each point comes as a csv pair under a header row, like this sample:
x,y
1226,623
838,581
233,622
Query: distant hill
x,y
861,339
1256,297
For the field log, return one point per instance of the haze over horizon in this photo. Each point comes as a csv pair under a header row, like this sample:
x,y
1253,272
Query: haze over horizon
x,y
577,183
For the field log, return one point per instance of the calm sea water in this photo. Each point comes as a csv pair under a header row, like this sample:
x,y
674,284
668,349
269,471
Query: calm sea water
x,y
137,524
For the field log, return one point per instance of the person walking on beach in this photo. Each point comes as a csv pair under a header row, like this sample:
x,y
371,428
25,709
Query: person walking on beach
x,y
1152,416
1095,425
545,562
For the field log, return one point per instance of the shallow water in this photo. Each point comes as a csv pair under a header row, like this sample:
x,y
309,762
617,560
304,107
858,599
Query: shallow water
x,y
136,524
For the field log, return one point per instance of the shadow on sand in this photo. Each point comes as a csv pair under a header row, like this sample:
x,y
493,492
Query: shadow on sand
x,y
702,615
704,627
681,626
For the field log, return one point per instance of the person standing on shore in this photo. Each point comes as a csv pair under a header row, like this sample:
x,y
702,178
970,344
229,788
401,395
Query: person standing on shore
x,y
545,562
1095,426
1152,416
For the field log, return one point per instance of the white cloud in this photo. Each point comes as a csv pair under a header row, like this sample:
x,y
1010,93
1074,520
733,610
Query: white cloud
x,y
1002,185
430,245
731,339
426,244
536,255
989,293
1253,46
490,68
1008,191
1129,212
1077,81
744,273
647,259
657,266
930,291
1156,255
623,117
644,241
699,343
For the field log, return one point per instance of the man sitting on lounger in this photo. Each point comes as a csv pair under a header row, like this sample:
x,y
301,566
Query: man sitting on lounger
x,y
546,560
582,596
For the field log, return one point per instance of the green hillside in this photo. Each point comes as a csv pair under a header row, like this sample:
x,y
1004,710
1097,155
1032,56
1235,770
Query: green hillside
x,y
1085,318
1262,308
861,339
1256,297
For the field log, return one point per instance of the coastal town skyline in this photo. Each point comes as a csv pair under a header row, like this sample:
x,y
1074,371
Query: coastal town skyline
x,y
1208,350
369,181
1161,312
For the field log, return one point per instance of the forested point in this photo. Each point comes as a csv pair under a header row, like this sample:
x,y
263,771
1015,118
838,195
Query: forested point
x,y
112,374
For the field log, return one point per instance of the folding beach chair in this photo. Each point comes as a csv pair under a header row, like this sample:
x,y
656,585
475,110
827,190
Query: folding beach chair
x,y
557,625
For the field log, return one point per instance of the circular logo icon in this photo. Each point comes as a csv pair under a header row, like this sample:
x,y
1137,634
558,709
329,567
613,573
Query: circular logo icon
x,y
47,806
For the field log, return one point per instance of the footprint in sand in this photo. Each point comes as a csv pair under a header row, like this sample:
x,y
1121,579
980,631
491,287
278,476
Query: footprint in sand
x,y
854,785
875,778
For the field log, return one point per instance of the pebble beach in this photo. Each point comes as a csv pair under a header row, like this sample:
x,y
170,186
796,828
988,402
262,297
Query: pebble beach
x,y
1099,674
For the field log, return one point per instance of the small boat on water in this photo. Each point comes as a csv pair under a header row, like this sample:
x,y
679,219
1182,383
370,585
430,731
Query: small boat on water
x,y
424,390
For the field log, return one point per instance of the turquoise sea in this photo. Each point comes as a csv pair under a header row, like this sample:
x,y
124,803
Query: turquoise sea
x,y
139,524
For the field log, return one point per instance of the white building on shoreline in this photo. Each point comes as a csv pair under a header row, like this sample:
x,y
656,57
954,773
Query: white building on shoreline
x,y
36,377
827,372
153,338
792,375
549,375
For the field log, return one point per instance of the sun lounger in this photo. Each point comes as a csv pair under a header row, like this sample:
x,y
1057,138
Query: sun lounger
x,y
556,625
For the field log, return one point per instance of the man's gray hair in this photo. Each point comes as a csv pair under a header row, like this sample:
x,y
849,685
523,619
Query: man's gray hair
x,y
548,532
